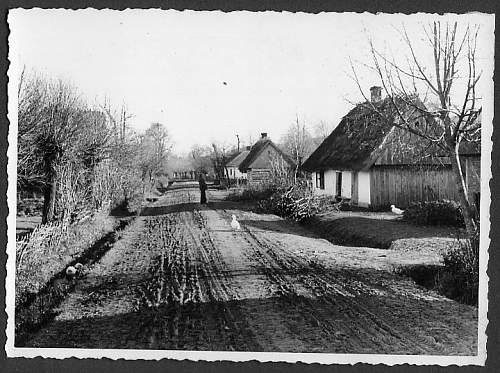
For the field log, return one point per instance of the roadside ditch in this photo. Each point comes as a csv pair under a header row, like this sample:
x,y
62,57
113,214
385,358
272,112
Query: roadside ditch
x,y
38,308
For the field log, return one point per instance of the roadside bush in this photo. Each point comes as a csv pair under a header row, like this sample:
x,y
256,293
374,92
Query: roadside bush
x,y
73,193
330,203
442,212
460,277
327,203
296,202
253,193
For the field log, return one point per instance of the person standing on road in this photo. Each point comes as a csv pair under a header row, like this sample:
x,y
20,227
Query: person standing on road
x,y
203,188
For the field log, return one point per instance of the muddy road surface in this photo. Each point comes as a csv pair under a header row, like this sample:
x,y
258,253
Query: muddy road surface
x,y
180,277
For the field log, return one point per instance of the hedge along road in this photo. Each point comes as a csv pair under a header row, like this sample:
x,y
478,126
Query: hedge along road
x,y
180,277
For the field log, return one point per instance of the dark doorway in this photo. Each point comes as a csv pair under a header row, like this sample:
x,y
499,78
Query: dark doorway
x,y
338,189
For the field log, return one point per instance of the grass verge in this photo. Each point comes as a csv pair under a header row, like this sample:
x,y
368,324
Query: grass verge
x,y
41,262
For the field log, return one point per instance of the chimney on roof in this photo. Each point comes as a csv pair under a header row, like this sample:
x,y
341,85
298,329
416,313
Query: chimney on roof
x,y
376,93
248,147
264,135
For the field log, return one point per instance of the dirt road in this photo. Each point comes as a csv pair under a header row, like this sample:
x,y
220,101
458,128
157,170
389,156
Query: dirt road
x,y
180,277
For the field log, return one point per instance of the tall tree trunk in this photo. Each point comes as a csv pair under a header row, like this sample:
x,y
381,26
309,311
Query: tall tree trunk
x,y
49,199
470,223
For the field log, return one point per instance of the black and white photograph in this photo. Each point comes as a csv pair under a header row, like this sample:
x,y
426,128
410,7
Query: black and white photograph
x,y
270,186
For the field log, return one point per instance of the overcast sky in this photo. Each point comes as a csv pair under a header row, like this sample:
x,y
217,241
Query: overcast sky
x,y
211,75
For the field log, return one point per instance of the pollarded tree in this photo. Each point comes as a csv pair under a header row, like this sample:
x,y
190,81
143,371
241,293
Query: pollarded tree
x,y
50,118
31,102
79,170
442,91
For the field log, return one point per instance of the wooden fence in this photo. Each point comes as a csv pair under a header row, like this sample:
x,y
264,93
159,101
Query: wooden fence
x,y
402,185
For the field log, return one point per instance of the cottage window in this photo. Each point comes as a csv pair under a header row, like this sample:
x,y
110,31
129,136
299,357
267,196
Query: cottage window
x,y
320,180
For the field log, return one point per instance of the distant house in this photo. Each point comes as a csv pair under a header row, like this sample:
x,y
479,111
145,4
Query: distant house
x,y
263,156
374,163
233,165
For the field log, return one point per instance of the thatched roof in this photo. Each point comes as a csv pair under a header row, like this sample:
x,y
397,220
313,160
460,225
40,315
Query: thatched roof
x,y
364,138
355,142
256,151
236,161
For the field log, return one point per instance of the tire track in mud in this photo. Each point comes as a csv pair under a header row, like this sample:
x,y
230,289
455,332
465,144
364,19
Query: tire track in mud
x,y
183,279
364,328
216,283
189,297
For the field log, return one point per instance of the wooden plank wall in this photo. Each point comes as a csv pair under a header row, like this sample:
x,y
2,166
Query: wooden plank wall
x,y
473,175
259,176
402,185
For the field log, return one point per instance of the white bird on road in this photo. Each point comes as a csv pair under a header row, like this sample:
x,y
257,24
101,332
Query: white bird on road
x,y
235,224
395,210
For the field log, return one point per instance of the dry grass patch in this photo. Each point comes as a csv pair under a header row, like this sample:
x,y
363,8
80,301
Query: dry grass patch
x,y
49,249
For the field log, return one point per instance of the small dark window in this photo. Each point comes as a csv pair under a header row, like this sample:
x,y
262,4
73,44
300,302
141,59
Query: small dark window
x,y
320,180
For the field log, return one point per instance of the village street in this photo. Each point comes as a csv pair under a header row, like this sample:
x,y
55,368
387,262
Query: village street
x,y
179,277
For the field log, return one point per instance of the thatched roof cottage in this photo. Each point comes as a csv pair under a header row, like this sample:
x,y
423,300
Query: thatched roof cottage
x,y
262,158
233,165
372,162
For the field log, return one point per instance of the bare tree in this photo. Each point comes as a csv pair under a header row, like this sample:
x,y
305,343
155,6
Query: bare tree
x,y
220,156
201,158
281,174
155,148
80,158
298,142
421,96
322,129
32,94
50,121
77,170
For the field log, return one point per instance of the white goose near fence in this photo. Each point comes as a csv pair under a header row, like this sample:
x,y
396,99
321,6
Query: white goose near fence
x,y
396,211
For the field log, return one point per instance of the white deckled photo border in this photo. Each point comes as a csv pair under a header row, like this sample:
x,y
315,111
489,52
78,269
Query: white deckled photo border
x,y
322,358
